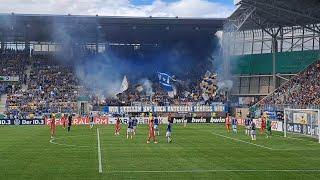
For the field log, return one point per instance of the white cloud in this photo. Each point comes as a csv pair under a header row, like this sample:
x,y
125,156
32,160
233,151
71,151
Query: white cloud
x,y
181,8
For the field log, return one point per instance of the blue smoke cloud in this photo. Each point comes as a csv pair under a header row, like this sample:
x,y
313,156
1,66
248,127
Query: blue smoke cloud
x,y
185,59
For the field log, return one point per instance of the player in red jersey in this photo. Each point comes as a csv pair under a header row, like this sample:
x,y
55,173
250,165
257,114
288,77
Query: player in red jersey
x,y
53,126
64,121
228,122
263,124
117,127
151,132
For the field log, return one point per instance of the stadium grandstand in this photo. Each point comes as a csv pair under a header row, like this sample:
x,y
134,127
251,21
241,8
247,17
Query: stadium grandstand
x,y
273,43
117,97
38,42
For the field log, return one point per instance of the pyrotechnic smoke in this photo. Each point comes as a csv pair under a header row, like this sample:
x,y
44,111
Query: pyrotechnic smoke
x,y
102,74
222,62
147,86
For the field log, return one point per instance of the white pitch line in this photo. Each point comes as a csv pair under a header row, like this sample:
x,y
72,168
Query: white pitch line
x,y
52,141
265,147
220,170
99,152
61,144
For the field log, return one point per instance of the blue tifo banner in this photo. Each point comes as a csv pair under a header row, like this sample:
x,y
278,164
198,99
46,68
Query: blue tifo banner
x,y
22,122
131,109
164,80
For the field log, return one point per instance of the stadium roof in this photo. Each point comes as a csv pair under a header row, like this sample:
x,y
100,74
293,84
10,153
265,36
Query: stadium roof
x,y
18,27
257,14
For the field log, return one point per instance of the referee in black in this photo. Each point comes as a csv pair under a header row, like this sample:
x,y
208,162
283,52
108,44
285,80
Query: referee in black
x,y
69,122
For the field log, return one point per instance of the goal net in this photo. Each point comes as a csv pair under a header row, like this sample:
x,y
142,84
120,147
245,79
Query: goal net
x,y
302,121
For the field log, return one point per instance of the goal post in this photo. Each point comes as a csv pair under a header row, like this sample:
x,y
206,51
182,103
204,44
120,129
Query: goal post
x,y
302,121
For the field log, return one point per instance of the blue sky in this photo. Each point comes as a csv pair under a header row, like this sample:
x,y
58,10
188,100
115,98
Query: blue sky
x,y
141,8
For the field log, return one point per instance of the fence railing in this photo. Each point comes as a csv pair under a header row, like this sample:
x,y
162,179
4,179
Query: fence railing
x,y
281,107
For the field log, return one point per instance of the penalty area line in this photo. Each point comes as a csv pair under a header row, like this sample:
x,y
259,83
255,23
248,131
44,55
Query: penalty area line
x,y
239,140
99,151
220,170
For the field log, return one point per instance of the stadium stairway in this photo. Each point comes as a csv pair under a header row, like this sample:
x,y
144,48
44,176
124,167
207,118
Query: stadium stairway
x,y
27,72
3,100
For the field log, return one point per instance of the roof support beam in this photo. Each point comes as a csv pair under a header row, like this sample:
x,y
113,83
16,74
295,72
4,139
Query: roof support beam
x,y
275,6
244,17
287,19
313,29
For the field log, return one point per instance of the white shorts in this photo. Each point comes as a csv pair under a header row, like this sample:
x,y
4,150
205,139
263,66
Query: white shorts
x,y
234,126
168,134
91,123
129,130
253,132
155,126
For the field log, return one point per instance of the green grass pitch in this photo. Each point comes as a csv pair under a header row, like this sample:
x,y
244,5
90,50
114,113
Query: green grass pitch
x,y
199,151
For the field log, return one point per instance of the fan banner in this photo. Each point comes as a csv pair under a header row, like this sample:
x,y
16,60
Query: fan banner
x,y
132,109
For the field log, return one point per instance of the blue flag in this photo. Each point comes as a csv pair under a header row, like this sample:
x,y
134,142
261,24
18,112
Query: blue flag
x,y
164,80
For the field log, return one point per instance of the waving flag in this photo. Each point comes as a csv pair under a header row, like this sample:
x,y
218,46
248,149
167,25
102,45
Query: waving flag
x,y
164,80
124,85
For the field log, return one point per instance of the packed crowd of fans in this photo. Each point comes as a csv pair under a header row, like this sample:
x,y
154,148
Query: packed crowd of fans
x,y
185,93
300,91
13,65
50,86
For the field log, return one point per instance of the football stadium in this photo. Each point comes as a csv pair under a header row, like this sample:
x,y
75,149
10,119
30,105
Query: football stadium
x,y
161,96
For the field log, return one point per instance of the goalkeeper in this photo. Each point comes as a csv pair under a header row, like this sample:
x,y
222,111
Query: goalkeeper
x,y
269,132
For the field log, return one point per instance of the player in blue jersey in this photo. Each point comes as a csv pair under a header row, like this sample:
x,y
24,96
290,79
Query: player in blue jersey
x,y
168,132
234,125
247,123
156,125
130,129
253,131
91,119
135,124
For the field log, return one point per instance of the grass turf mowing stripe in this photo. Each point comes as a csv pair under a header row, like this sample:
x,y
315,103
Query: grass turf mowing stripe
x,y
301,138
195,154
220,170
265,147
99,152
